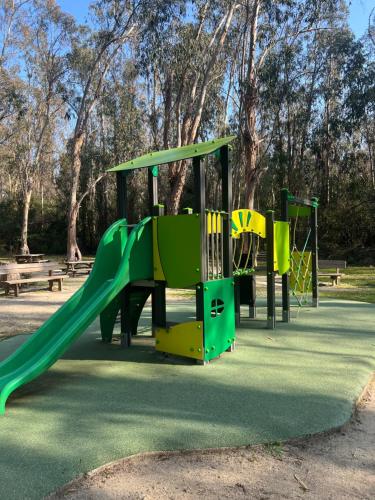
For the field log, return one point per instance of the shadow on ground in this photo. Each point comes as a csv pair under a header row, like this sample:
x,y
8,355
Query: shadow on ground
x,y
100,403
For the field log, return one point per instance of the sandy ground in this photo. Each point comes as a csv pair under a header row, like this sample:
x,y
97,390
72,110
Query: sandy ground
x,y
24,314
339,465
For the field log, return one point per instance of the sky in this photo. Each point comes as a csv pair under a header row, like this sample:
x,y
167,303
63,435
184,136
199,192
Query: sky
x,y
358,17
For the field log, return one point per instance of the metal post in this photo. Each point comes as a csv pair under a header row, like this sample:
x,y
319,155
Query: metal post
x,y
271,308
285,282
159,312
199,208
237,301
314,252
159,307
253,297
226,175
152,188
253,282
121,182
126,332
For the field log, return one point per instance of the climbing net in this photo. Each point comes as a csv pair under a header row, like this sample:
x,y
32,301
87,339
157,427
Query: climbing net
x,y
301,264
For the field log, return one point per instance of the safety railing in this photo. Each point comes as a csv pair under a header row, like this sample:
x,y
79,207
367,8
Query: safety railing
x,y
214,244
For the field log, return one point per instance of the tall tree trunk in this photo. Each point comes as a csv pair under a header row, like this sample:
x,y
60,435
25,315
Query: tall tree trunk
x,y
250,137
24,248
177,183
252,176
193,115
73,252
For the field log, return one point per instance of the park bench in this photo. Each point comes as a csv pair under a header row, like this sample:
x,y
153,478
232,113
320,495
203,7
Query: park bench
x,y
332,264
12,276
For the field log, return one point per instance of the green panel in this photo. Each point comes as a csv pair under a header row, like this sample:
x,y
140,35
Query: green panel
x,y
282,247
298,211
179,249
116,252
175,154
140,257
219,320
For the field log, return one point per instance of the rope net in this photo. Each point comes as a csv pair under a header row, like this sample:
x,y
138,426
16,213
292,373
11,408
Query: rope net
x,y
300,262
245,253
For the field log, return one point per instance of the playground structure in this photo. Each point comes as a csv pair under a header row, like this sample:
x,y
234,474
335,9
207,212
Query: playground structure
x,y
193,250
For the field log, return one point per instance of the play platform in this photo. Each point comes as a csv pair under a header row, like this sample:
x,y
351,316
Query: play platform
x,y
99,403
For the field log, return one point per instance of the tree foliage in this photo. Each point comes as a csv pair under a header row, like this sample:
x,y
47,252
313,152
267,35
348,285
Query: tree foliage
x,y
287,77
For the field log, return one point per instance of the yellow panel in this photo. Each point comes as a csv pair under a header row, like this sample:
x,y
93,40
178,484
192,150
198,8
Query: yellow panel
x,y
281,247
183,339
248,221
158,270
214,219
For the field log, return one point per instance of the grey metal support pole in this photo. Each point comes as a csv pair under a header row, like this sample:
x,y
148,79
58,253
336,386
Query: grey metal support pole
x,y
253,284
226,175
152,188
253,297
126,333
271,307
237,301
121,184
199,208
285,283
314,252
159,307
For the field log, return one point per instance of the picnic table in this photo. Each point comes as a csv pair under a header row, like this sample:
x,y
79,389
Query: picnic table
x,y
73,266
29,258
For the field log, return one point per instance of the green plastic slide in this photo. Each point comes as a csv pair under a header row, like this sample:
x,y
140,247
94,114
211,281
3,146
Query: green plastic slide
x,y
120,260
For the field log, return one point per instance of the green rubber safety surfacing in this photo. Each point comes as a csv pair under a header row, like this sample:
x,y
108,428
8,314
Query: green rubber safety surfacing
x,y
99,403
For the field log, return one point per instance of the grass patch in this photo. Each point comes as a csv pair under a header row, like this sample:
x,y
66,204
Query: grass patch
x,y
358,295
357,283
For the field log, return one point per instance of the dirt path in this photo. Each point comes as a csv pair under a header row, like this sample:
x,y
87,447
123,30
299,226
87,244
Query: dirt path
x,y
24,314
340,466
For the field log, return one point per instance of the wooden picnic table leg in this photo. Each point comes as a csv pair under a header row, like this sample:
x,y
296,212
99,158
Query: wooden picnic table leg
x,y
60,285
50,285
16,290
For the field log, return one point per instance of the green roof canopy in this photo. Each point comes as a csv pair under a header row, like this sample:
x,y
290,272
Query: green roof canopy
x,y
175,154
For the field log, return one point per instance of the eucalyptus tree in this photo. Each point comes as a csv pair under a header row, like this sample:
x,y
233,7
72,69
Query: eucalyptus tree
x,y
262,27
186,67
116,25
41,43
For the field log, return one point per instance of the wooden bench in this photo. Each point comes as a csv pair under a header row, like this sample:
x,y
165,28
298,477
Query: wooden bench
x,y
12,276
332,264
